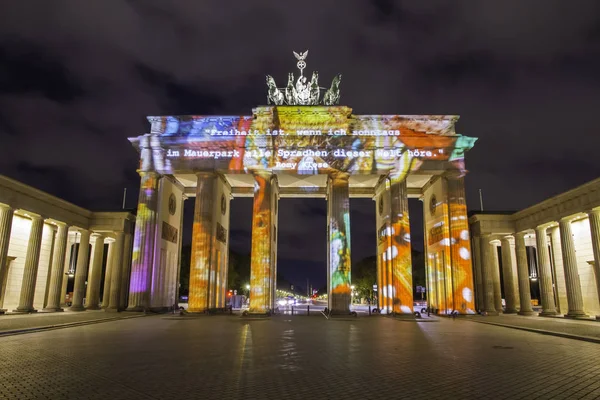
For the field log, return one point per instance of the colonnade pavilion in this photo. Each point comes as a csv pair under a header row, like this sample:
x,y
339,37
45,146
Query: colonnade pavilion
x,y
551,249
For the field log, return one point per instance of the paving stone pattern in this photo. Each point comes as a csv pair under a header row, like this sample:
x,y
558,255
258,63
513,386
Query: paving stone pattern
x,y
11,322
226,357
562,325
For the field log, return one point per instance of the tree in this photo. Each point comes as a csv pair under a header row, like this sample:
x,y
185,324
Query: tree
x,y
364,276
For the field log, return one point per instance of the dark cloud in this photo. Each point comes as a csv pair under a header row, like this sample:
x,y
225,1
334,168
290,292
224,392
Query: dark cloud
x,y
78,78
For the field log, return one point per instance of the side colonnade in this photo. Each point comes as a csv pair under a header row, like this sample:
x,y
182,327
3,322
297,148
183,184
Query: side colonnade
x,y
45,241
552,247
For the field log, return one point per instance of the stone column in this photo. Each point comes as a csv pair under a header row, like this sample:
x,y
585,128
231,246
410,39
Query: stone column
x,y
573,284
126,271
509,279
545,272
115,275
478,269
93,288
399,252
6,217
594,219
523,274
496,277
31,265
338,220
142,259
81,271
488,265
56,273
203,237
261,282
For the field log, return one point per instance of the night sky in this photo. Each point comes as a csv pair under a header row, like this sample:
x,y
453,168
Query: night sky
x,y
78,78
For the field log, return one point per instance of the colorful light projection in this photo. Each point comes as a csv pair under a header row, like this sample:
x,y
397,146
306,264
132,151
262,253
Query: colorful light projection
x,y
203,238
145,232
448,249
307,140
261,282
339,244
326,140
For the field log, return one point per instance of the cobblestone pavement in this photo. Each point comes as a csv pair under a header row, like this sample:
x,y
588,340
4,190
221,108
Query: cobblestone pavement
x,y
227,357
12,322
561,325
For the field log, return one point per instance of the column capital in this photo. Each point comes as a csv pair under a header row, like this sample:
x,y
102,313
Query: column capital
x,y
6,207
205,174
98,236
508,238
593,211
568,219
521,234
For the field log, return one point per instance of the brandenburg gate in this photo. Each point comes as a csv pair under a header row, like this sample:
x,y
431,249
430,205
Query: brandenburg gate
x,y
302,144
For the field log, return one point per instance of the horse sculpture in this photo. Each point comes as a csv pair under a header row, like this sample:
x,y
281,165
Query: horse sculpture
x,y
314,88
290,91
274,95
332,95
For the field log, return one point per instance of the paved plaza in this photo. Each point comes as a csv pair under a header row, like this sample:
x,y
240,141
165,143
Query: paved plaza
x,y
227,357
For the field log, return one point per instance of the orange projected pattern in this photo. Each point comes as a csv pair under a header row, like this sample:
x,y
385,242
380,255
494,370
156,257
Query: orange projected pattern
x,y
260,275
449,254
460,249
202,246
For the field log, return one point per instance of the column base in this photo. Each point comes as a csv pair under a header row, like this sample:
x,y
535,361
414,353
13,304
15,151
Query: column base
x,y
93,308
197,310
576,314
77,308
136,309
52,309
511,311
526,312
3,311
24,311
548,314
492,313
598,317
112,309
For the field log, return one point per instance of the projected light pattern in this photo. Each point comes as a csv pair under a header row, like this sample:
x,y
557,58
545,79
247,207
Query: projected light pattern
x,y
339,244
308,140
260,267
400,252
449,253
460,249
327,140
143,244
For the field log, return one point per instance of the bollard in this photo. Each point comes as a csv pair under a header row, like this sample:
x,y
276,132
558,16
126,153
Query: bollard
x,y
292,310
308,311
369,309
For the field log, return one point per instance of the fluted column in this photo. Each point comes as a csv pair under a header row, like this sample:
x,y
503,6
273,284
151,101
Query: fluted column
x,y
126,271
545,272
523,275
338,220
572,282
507,273
399,251
81,271
93,288
142,260
496,277
6,217
115,276
488,263
203,237
594,219
262,230
56,273
477,268
31,265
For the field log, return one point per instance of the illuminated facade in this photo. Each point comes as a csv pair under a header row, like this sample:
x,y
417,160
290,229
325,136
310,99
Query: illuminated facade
x,y
550,250
302,151
45,242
